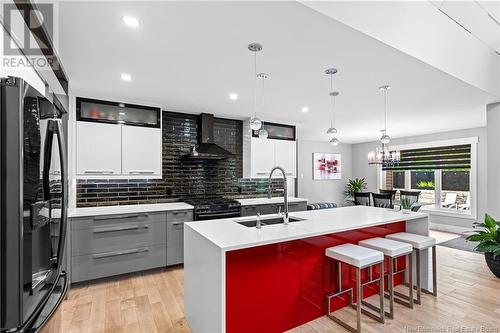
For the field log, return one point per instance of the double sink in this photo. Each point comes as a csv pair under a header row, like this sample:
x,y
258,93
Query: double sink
x,y
268,221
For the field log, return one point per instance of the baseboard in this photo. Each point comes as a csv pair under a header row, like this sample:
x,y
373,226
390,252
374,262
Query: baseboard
x,y
448,228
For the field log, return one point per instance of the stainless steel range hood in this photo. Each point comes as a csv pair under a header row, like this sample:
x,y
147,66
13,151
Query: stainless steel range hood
x,y
206,148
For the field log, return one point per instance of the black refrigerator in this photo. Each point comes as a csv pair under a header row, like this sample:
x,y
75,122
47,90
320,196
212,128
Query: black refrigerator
x,y
33,206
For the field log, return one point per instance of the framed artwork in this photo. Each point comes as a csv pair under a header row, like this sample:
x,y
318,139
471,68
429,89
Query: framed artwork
x,y
326,166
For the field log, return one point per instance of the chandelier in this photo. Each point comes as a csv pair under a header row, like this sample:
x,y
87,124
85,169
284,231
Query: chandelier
x,y
382,155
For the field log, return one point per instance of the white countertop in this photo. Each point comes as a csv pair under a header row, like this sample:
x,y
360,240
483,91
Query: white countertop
x,y
128,209
265,201
229,235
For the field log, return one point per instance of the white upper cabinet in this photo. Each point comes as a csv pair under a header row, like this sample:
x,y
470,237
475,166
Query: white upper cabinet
x,y
262,157
268,153
98,149
285,153
141,151
118,140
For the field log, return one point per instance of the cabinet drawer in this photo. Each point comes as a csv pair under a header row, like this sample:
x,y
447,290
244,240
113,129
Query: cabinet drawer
x,y
175,235
175,242
111,220
127,259
113,237
180,215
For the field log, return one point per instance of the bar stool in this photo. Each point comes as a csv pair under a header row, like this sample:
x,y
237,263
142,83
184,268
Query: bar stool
x,y
392,250
359,257
419,243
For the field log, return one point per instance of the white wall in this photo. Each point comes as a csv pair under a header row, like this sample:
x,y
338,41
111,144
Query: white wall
x,y
322,190
493,129
361,169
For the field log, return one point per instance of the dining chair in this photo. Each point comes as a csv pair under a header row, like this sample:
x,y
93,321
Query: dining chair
x,y
410,195
382,200
362,199
392,192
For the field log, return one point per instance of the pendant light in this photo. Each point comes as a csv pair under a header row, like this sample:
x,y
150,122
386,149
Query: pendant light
x,y
382,155
332,131
263,134
255,123
385,138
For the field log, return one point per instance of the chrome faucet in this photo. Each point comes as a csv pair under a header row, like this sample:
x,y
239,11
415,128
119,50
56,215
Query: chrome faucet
x,y
285,193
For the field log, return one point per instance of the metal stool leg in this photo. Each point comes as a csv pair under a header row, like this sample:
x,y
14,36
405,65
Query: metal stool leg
x,y
359,292
419,290
410,279
390,285
380,309
350,293
434,271
406,300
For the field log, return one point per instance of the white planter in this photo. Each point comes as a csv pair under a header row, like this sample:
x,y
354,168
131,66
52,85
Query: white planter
x,y
406,211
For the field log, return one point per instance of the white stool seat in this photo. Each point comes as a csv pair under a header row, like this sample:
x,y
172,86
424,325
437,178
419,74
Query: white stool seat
x,y
354,255
388,247
417,241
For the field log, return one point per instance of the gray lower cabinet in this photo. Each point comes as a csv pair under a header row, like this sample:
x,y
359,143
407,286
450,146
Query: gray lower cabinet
x,y
175,235
116,244
272,208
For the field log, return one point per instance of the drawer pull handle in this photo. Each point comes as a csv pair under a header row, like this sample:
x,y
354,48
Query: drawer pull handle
x,y
132,227
177,213
114,217
178,223
140,172
99,171
120,253
262,173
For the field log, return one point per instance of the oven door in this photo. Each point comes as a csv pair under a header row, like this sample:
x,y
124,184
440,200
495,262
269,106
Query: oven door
x,y
217,215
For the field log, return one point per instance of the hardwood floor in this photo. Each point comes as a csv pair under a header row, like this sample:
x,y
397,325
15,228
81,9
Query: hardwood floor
x,y
153,302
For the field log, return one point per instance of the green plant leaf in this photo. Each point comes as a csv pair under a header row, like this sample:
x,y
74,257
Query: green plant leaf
x,y
487,246
475,238
490,222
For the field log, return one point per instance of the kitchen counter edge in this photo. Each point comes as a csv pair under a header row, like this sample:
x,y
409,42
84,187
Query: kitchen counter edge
x,y
128,209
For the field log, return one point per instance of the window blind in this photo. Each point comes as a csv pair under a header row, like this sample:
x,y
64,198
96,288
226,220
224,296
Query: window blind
x,y
447,157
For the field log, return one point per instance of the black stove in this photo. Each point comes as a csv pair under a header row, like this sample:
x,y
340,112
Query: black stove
x,y
214,208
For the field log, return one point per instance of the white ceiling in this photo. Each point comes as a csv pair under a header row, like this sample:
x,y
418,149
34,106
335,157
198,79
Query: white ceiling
x,y
187,56
480,18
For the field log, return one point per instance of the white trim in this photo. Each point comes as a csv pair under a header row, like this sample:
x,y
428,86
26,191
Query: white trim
x,y
452,142
432,210
448,228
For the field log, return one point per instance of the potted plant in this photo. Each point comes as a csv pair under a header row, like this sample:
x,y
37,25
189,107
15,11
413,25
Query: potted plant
x,y
488,236
354,185
406,205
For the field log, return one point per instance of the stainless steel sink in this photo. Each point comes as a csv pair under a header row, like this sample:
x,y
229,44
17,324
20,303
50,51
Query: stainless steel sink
x,y
268,221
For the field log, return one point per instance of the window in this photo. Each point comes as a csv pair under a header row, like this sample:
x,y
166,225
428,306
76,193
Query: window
x,y
423,181
398,179
455,189
444,175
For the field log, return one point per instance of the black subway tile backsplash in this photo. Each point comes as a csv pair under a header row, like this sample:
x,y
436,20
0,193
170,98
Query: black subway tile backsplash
x,y
182,179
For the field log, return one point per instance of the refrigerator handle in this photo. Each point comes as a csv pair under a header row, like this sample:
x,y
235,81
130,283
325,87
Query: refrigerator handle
x,y
54,127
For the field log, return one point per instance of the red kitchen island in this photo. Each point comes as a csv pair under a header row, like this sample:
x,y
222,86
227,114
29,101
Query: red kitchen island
x,y
238,278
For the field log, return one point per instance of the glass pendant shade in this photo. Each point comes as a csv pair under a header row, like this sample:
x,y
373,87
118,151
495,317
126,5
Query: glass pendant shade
x,y
334,142
331,131
255,123
263,134
385,139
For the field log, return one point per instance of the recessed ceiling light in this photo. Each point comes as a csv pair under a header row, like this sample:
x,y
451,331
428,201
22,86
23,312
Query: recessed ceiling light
x,y
233,96
131,21
126,77
305,109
